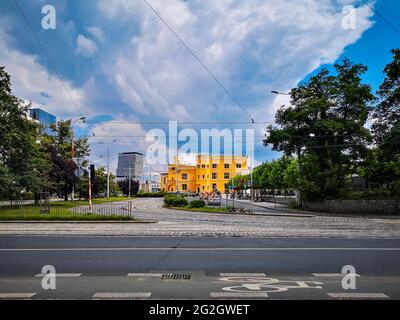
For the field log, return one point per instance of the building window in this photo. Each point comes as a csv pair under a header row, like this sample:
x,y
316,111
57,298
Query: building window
x,y
226,186
226,165
214,176
214,186
214,166
208,166
203,166
184,187
203,187
184,176
203,176
208,176
238,165
226,175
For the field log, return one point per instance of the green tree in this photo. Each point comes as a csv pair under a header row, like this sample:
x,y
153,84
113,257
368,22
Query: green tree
x,y
124,186
386,126
100,183
22,159
59,147
325,126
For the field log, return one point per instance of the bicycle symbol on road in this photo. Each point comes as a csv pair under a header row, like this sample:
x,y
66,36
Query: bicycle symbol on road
x,y
268,285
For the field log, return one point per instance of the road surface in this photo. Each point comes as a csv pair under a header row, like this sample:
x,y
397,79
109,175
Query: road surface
x,y
211,268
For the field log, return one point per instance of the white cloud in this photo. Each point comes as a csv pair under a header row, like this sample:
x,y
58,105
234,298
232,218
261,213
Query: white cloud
x,y
96,32
85,47
30,80
251,46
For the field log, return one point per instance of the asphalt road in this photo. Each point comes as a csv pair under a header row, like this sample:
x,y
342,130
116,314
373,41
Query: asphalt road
x,y
96,267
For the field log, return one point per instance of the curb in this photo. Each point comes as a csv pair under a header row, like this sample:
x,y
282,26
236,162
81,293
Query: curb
x,y
78,222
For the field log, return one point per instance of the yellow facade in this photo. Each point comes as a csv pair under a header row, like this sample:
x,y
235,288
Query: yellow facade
x,y
210,173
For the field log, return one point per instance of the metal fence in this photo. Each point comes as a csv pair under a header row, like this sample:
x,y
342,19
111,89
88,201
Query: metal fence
x,y
64,208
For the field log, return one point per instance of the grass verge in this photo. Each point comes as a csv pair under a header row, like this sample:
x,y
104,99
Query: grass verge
x,y
60,211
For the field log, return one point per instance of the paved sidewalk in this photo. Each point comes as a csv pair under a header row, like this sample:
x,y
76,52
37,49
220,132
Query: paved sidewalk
x,y
184,223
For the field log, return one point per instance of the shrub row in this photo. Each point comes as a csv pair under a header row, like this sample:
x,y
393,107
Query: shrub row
x,y
150,194
197,204
172,200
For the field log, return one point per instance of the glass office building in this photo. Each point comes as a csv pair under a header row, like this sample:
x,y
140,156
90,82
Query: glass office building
x,y
130,164
45,119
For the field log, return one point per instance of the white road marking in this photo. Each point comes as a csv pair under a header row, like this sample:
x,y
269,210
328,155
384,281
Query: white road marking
x,y
239,295
121,295
357,295
145,275
60,275
242,274
331,275
200,249
15,295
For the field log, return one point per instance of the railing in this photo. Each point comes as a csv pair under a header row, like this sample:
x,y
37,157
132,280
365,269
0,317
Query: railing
x,y
20,209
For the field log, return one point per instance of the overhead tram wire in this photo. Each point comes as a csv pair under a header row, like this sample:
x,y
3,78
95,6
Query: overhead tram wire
x,y
382,17
200,62
48,57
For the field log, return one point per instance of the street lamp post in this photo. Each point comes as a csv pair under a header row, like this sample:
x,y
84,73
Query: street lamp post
x,y
108,165
83,119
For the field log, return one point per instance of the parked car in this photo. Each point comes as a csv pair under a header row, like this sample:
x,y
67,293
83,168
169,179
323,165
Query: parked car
x,y
214,201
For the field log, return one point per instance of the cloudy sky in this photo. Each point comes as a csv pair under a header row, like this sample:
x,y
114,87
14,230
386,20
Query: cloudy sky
x,y
122,67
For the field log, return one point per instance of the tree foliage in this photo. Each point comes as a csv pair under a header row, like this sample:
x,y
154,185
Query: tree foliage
x,y
324,125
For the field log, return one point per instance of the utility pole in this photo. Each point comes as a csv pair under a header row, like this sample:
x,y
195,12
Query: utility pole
x,y
108,165
108,170
129,183
251,180
299,199
73,149
90,192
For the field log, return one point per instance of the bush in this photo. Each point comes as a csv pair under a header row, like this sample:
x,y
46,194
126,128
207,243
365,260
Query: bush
x,y
169,199
27,195
172,200
180,202
197,204
150,194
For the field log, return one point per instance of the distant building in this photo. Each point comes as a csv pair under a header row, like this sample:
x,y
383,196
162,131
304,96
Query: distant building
x,y
150,187
44,118
130,164
210,173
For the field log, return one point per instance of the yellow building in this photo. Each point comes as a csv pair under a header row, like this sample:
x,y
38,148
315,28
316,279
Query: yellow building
x,y
210,173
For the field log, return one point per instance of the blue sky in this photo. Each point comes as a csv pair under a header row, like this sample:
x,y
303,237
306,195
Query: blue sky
x,y
119,62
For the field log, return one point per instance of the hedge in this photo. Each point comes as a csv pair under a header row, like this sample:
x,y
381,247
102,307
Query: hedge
x,y
172,200
197,204
150,194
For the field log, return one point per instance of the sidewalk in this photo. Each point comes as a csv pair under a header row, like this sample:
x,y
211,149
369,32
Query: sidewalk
x,y
305,213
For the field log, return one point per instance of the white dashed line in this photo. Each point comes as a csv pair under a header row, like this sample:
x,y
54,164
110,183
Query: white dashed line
x,y
242,274
357,295
239,295
15,295
122,295
329,275
145,275
60,275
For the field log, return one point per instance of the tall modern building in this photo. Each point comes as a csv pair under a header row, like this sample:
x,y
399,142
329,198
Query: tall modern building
x,y
130,164
44,118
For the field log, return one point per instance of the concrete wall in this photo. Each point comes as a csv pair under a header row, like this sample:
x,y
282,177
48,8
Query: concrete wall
x,y
356,206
